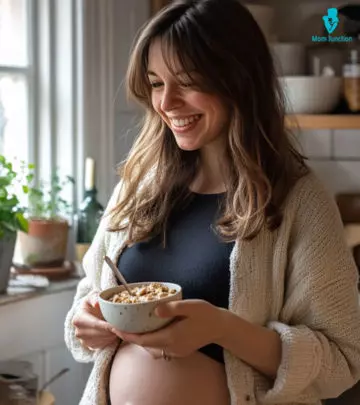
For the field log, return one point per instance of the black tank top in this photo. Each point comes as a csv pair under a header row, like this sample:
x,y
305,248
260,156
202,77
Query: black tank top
x,y
194,257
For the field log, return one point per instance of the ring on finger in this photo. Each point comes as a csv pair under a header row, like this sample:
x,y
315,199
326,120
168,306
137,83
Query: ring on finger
x,y
165,356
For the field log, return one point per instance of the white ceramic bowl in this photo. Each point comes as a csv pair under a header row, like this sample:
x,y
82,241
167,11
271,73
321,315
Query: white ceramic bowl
x,y
135,318
311,94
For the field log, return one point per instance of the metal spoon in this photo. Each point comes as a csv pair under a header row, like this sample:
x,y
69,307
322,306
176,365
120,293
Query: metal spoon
x,y
54,378
117,273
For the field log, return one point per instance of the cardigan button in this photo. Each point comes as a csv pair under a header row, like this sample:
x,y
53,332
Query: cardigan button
x,y
247,398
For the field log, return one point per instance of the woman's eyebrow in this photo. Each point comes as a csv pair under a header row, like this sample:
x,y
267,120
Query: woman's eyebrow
x,y
181,72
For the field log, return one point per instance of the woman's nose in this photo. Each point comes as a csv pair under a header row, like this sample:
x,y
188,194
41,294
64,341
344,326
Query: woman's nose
x,y
170,100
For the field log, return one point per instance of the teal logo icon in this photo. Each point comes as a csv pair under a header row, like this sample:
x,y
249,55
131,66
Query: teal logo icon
x,y
331,20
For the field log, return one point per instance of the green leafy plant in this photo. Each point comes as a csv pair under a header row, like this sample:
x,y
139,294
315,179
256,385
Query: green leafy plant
x,y
46,201
11,212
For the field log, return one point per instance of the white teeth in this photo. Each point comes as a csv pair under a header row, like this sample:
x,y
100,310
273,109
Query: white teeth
x,y
185,121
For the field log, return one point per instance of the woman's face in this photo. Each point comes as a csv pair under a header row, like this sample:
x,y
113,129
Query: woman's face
x,y
197,119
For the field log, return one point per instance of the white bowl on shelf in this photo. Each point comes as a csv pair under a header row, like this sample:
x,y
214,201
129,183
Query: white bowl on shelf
x,y
311,94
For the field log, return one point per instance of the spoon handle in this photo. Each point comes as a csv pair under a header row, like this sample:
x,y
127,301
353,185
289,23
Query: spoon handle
x,y
117,273
55,377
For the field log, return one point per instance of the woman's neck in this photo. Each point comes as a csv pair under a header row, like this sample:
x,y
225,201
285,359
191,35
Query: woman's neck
x,y
210,177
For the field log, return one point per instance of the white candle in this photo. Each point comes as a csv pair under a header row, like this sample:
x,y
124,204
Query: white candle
x,y
89,173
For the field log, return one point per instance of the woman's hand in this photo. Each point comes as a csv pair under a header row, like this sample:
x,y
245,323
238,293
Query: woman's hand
x,y
198,323
90,327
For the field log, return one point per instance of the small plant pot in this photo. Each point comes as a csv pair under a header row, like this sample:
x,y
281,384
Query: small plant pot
x,y
7,245
44,245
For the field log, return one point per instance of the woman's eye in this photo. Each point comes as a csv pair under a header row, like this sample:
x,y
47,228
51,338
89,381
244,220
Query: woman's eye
x,y
155,85
186,84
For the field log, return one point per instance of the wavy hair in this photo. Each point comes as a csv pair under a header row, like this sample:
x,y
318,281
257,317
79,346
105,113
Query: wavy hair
x,y
222,42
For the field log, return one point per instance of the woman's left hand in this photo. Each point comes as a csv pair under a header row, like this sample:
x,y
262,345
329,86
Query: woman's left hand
x,y
197,324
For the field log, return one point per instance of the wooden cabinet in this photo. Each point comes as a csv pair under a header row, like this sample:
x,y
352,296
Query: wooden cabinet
x,y
156,5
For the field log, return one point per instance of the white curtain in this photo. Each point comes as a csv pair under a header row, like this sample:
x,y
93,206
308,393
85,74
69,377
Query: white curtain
x,y
74,102
98,92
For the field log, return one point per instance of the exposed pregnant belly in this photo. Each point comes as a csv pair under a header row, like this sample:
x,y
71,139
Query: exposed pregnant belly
x,y
137,378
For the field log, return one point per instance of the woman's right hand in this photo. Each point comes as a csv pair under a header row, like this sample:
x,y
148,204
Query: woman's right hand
x,y
91,328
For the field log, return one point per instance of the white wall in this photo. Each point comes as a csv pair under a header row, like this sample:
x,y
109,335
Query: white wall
x,y
335,157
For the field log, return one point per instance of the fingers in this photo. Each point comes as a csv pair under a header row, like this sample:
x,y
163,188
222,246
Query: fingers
x,y
91,338
154,353
93,333
85,331
94,344
178,308
91,305
118,333
90,327
92,300
157,354
155,339
86,320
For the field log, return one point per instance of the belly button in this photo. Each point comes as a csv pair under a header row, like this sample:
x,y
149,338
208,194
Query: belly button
x,y
247,398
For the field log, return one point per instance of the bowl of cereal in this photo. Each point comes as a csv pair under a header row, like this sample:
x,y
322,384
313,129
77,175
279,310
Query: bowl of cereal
x,y
135,313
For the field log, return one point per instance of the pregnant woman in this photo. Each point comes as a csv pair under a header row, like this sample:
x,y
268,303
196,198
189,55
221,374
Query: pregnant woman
x,y
214,197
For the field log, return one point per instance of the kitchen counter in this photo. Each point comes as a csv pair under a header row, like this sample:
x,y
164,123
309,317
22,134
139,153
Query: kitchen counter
x,y
17,293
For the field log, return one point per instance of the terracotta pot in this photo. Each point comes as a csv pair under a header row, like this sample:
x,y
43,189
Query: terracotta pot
x,y
44,245
6,255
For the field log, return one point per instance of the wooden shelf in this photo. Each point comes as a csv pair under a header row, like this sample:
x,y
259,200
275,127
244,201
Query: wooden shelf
x,y
311,121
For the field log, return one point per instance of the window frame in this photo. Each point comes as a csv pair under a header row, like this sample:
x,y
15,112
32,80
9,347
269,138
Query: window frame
x,y
28,72
55,75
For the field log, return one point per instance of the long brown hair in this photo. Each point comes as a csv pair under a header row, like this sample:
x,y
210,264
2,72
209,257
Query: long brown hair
x,y
222,42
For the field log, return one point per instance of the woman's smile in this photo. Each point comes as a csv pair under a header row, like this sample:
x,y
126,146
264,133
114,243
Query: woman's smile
x,y
184,125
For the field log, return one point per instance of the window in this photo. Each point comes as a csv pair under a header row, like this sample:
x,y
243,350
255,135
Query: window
x,y
57,84
41,75
15,78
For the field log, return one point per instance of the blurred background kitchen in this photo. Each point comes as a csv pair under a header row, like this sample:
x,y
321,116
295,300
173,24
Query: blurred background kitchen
x,y
63,112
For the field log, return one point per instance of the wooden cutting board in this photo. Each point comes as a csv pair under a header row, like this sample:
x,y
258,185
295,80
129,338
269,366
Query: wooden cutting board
x,y
46,398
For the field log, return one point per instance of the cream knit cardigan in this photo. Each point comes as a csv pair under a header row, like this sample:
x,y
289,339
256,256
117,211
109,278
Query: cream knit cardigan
x,y
300,281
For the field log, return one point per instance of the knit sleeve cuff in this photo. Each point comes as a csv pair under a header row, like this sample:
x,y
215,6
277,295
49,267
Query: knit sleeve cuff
x,y
300,364
79,352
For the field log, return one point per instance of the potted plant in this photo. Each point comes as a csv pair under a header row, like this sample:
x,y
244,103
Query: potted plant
x,y
45,243
11,219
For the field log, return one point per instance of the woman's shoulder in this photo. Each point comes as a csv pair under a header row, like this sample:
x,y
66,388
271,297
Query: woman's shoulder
x,y
114,200
311,205
309,192
116,193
